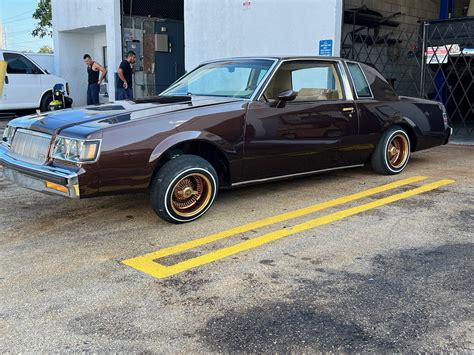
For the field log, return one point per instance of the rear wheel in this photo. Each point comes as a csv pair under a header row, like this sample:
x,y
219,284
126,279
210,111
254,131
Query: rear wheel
x,y
392,152
184,189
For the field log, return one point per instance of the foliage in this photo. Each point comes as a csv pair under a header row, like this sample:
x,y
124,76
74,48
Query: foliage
x,y
43,16
46,49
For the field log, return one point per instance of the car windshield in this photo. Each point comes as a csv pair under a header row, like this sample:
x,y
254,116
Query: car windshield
x,y
233,78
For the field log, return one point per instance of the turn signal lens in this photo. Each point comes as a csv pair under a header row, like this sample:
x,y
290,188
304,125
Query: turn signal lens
x,y
89,151
53,186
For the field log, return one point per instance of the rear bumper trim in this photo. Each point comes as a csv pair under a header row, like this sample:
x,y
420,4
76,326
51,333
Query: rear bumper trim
x,y
448,134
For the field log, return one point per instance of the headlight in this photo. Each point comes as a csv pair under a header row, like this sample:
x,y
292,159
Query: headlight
x,y
75,150
8,134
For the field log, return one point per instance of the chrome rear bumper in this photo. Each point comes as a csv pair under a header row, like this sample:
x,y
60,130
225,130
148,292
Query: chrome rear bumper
x,y
36,177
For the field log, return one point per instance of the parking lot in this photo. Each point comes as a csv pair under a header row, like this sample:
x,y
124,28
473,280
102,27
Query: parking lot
x,y
348,261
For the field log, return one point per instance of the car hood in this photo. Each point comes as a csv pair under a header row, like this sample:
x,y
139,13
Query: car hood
x,y
93,118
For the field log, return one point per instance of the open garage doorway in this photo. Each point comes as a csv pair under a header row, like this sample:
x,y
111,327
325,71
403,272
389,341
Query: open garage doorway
x,y
154,30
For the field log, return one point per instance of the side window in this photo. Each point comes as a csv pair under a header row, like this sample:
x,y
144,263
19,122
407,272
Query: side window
x,y
360,83
18,64
311,80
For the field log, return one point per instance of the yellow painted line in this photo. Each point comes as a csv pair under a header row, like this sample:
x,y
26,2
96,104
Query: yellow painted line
x,y
147,264
278,218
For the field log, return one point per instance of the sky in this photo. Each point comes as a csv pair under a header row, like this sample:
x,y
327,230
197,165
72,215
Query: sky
x,y
15,15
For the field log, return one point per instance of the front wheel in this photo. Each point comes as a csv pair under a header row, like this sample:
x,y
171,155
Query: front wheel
x,y
45,101
392,152
184,189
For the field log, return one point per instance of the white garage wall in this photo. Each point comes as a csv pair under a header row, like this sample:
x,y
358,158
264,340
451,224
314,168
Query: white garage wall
x,y
100,40
73,46
225,28
84,26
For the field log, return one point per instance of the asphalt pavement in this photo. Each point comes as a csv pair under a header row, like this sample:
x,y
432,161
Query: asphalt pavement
x,y
345,264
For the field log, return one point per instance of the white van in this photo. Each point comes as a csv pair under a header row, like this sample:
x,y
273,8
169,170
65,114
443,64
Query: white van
x,y
27,85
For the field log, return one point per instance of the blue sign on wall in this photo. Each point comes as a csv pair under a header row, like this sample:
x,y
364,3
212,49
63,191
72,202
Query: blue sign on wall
x,y
325,47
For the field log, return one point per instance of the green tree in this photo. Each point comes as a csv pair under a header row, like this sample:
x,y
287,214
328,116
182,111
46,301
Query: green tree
x,y
43,16
46,49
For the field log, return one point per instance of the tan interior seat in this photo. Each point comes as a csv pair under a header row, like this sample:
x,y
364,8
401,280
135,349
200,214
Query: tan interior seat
x,y
313,94
310,94
280,82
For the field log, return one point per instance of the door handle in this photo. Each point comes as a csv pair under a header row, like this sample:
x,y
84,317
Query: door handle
x,y
6,79
348,110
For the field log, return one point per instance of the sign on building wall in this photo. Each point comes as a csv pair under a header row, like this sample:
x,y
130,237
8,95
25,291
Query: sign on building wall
x,y
325,47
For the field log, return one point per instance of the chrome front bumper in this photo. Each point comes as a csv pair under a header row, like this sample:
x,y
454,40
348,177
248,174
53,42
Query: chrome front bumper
x,y
61,182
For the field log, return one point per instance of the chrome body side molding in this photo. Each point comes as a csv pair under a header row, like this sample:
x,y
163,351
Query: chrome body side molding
x,y
282,177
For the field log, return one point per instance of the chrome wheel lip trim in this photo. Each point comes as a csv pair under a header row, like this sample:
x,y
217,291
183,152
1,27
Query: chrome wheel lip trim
x,y
204,210
182,213
400,152
387,163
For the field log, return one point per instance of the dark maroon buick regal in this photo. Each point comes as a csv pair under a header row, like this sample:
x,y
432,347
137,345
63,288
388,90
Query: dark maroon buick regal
x,y
225,124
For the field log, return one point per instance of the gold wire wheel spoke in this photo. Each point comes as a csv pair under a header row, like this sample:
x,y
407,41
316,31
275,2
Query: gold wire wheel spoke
x,y
392,150
191,195
398,151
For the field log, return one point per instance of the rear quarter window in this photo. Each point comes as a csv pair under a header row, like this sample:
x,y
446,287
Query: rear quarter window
x,y
361,84
381,89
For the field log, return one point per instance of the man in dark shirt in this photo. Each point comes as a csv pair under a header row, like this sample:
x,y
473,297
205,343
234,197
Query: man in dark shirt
x,y
93,81
125,82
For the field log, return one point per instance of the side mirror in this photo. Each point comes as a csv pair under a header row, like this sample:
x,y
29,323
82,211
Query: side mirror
x,y
284,96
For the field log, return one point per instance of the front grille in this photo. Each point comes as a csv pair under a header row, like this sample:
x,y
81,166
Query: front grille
x,y
30,146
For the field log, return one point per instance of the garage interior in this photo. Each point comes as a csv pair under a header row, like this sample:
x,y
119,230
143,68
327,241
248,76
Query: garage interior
x,y
154,29
397,36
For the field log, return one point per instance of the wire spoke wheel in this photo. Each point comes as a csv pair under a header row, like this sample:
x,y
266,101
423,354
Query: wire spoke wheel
x,y
398,150
191,195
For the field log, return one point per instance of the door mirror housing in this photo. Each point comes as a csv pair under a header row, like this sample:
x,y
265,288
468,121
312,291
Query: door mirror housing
x,y
284,96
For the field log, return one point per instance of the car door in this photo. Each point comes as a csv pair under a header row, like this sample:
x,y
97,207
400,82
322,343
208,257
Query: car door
x,y
307,134
22,88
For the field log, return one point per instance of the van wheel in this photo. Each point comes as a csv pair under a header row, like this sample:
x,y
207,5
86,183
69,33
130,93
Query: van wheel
x,y
184,189
392,152
45,101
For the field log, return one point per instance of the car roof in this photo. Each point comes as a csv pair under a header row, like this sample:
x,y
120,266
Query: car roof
x,y
10,51
276,57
